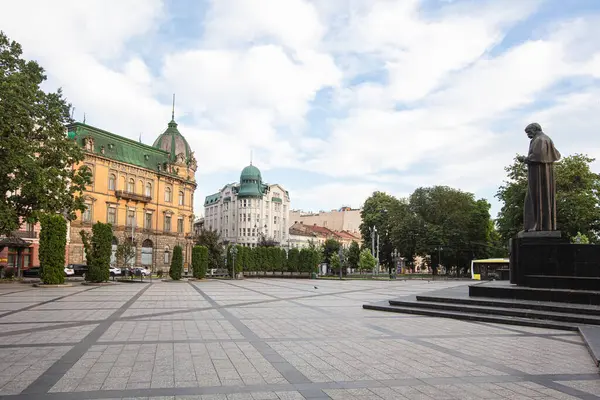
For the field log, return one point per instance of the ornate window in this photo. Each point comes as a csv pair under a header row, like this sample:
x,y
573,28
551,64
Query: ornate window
x,y
130,217
168,194
131,185
112,182
87,214
147,252
167,223
149,189
180,225
181,198
148,221
111,215
167,255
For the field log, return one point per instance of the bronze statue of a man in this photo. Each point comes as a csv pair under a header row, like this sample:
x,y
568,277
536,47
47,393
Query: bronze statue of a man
x,y
540,201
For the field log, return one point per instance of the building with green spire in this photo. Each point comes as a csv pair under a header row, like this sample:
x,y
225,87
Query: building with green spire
x,y
249,211
145,192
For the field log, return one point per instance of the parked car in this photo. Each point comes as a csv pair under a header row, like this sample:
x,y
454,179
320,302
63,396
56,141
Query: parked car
x,y
69,271
33,272
115,271
78,269
140,270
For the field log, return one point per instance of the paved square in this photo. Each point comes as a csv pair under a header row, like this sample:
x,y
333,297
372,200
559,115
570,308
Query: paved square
x,y
271,339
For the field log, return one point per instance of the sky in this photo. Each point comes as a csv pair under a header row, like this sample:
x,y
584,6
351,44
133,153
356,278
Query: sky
x,y
334,98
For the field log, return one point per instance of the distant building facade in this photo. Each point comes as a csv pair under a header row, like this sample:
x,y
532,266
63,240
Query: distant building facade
x,y
345,219
145,192
247,211
319,234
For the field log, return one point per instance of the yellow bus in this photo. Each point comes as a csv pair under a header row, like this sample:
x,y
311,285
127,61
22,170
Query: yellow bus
x,y
490,268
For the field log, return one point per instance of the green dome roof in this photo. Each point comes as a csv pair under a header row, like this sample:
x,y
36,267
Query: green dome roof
x,y
250,172
173,142
250,182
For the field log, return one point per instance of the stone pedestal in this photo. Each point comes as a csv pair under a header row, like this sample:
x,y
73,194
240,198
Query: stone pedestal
x,y
547,260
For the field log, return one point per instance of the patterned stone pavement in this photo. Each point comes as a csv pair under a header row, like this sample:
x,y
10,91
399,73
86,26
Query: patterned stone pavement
x,y
271,339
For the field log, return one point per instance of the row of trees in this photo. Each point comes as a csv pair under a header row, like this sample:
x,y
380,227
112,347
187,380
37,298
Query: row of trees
x,y
263,259
448,224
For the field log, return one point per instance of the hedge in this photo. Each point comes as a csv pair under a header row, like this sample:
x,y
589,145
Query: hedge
x,y
98,250
176,264
53,240
199,261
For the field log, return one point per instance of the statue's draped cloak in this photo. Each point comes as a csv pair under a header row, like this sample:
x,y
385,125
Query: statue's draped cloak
x,y
540,200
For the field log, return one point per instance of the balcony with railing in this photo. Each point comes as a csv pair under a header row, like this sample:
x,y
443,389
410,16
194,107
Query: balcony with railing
x,y
25,234
123,194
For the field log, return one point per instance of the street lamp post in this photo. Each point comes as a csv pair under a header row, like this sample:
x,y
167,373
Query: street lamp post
x,y
395,255
233,254
373,233
341,255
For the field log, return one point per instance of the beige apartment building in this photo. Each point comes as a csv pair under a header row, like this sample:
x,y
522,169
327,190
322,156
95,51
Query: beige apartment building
x,y
345,219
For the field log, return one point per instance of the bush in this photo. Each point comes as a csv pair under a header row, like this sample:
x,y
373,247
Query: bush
x,y
53,240
9,273
176,264
159,273
98,249
199,261
239,258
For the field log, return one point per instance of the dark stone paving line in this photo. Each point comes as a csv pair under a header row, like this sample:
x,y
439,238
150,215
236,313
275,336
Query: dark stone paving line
x,y
310,388
29,345
570,391
53,374
287,370
17,291
47,301
50,328
252,290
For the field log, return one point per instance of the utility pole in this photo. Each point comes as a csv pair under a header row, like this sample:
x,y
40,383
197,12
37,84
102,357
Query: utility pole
x,y
378,252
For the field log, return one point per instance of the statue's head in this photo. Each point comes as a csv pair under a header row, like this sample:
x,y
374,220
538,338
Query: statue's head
x,y
532,129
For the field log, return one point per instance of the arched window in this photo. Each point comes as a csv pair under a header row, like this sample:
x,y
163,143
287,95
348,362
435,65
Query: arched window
x,y
149,189
181,197
167,255
131,186
113,253
112,181
147,252
168,194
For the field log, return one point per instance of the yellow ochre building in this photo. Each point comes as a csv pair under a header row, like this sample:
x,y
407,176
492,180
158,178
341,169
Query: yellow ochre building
x,y
144,191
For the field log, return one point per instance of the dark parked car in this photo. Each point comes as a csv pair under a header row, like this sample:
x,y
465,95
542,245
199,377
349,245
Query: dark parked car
x,y
33,272
78,269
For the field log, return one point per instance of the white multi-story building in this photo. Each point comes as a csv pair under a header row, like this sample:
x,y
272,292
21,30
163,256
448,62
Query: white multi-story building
x,y
244,212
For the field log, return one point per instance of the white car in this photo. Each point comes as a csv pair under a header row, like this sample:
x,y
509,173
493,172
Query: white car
x,y
115,271
69,271
142,270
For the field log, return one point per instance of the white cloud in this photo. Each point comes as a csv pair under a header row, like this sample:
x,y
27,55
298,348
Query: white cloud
x,y
439,100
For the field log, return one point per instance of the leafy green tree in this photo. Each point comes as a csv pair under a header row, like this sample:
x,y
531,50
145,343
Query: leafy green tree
x,y
292,259
98,248
53,240
125,253
449,225
330,247
240,258
199,261
366,261
176,263
335,263
380,211
211,240
580,239
36,177
577,198
353,255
